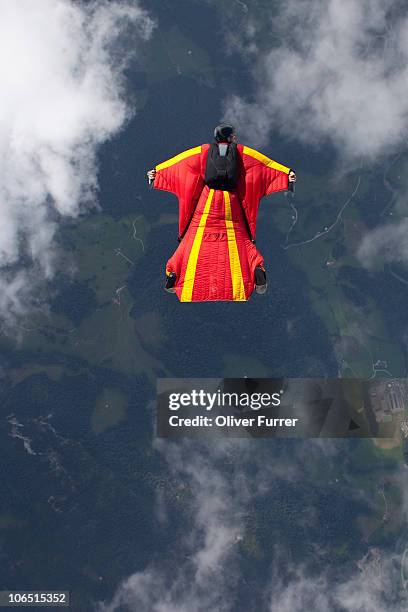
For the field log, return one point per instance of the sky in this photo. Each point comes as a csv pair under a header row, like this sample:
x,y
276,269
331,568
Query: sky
x,y
65,96
207,573
335,71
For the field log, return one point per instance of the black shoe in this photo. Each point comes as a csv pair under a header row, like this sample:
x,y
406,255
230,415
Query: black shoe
x,y
170,282
260,280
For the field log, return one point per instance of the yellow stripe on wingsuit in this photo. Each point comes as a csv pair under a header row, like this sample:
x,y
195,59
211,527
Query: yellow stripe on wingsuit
x,y
265,160
188,285
179,157
238,290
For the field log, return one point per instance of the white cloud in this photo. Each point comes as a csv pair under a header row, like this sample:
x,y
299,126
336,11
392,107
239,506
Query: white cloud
x,y
373,586
219,483
216,504
63,95
385,244
338,73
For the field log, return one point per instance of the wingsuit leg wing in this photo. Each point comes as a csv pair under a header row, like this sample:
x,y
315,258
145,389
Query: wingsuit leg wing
x,y
216,259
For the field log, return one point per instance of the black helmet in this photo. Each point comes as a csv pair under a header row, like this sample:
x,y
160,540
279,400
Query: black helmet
x,y
224,132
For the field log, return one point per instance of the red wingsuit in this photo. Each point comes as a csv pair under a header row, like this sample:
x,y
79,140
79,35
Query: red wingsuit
x,y
216,258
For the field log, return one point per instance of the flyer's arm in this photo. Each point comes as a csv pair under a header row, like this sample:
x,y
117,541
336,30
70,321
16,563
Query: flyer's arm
x,y
180,173
182,176
261,176
269,176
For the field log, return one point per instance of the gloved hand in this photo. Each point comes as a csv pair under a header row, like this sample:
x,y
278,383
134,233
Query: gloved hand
x,y
151,175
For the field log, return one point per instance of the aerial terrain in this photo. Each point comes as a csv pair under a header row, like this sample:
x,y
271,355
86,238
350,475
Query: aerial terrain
x,y
92,501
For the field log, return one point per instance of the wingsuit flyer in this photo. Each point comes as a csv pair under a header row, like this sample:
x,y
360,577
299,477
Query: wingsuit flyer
x,y
203,305
218,196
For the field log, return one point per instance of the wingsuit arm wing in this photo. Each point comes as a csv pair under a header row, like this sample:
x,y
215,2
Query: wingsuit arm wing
x,y
182,175
269,175
262,176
